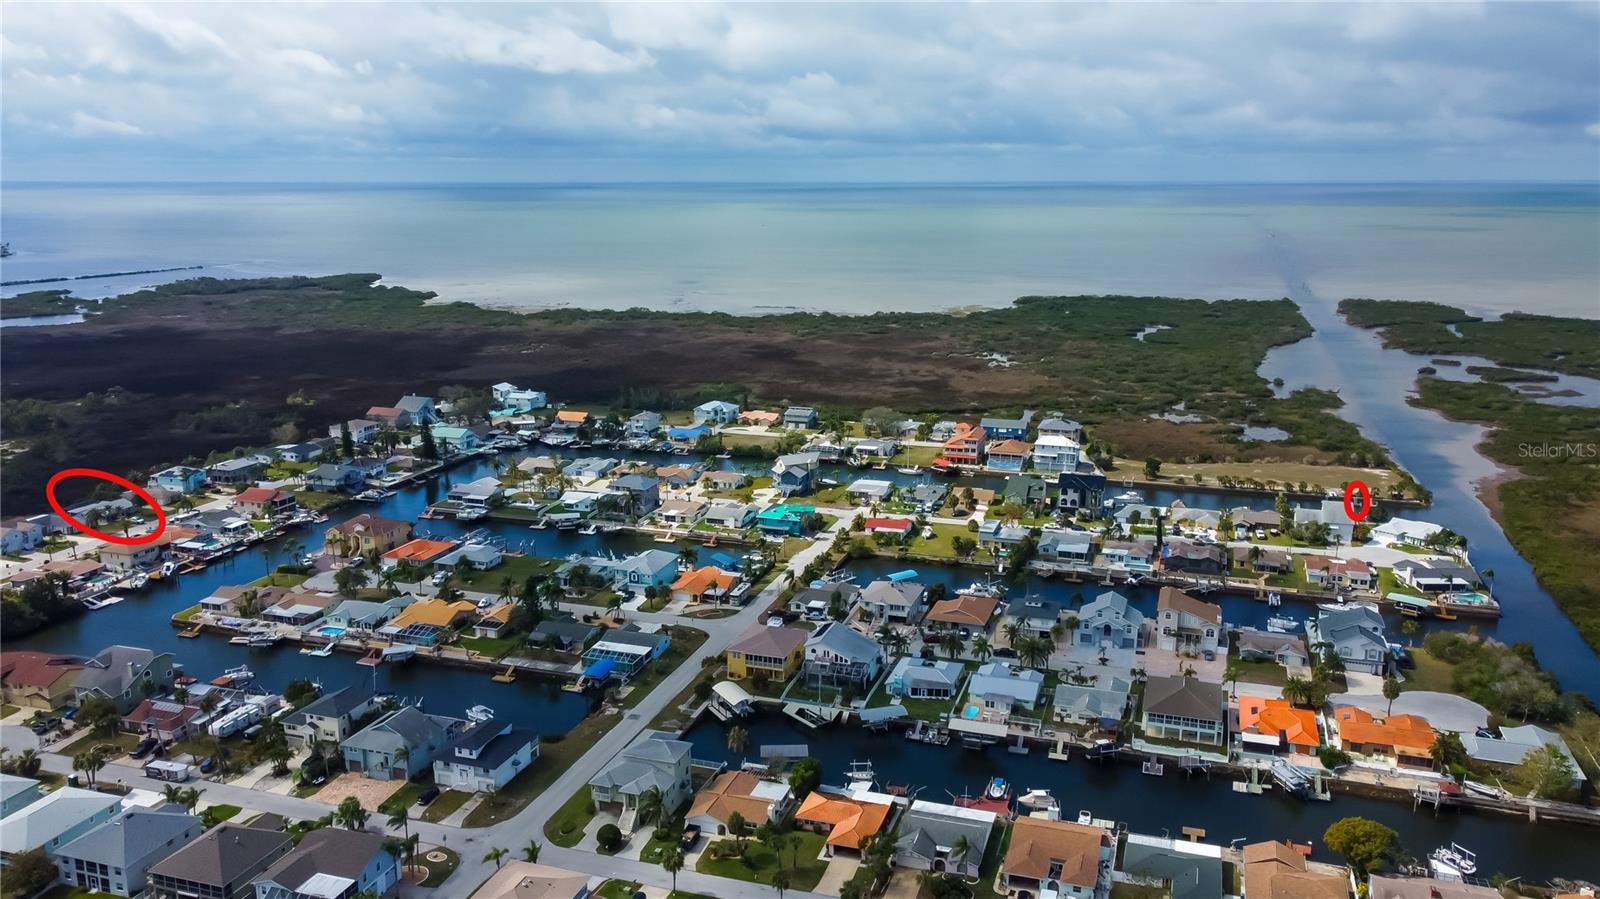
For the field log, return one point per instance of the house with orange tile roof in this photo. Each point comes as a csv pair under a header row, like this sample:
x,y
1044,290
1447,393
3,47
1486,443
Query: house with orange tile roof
x,y
756,800
265,502
1009,455
1402,739
393,416
420,551
1057,857
759,417
965,446
962,611
571,418
846,820
708,583
1279,871
38,680
1275,724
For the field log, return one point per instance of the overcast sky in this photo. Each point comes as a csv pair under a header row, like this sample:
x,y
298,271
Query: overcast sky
x,y
1146,92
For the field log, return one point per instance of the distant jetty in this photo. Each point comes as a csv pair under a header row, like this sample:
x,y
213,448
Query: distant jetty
x,y
148,271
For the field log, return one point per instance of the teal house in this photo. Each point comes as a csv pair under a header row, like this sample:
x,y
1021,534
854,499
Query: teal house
x,y
784,519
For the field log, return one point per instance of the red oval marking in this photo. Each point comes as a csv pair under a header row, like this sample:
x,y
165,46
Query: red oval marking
x,y
58,477
1366,500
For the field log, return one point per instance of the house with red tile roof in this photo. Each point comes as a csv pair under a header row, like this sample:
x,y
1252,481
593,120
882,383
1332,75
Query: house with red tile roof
x,y
899,527
1275,724
1404,739
265,502
38,680
846,820
965,446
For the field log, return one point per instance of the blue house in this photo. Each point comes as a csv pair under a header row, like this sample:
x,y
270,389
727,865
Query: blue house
x,y
784,519
1008,428
179,478
687,435
1082,487
716,412
796,472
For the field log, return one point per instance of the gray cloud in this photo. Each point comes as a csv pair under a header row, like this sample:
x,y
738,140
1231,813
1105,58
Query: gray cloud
x,y
982,92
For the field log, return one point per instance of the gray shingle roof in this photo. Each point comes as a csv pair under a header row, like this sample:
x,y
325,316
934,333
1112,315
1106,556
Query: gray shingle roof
x,y
222,854
841,640
1183,696
327,850
131,836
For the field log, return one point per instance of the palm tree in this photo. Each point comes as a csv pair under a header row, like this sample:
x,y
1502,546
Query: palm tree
x,y
981,648
495,855
951,643
1012,629
781,881
738,738
672,862
351,814
402,757
1297,690
649,805
530,852
1391,692
736,827
401,820
959,851
1231,675
614,605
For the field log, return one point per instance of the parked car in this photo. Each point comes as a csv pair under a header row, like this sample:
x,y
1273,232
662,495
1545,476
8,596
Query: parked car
x,y
427,796
691,835
145,747
208,765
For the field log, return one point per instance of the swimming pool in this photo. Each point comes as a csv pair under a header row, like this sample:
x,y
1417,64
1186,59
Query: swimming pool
x,y
330,630
1469,598
971,712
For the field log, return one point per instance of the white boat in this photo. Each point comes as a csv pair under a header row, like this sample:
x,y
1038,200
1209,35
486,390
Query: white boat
x,y
240,640
982,588
471,514
480,713
92,604
260,641
724,455
136,581
398,653
909,470
1274,599
1036,800
861,776
997,788
1279,624
540,525
1452,862
234,677
589,530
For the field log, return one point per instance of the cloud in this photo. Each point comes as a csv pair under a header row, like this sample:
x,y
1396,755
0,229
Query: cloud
x,y
994,90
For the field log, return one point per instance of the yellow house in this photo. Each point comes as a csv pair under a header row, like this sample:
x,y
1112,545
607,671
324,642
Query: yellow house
x,y
437,612
772,652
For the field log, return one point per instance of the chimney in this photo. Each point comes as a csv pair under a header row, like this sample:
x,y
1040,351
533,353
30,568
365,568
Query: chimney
x,y
132,670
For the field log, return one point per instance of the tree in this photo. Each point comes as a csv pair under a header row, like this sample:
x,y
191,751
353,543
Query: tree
x,y
1366,845
1448,751
649,805
1285,510
881,421
1391,692
349,579
609,837
401,820
781,881
350,814
90,761
29,872
347,443
951,643
1297,690
427,449
805,776
495,855
672,863
738,739
99,714
530,852
959,851
1548,770
736,829
1230,675
981,647
1152,468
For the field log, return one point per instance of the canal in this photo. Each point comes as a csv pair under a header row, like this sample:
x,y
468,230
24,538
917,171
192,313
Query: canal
x,y
1162,805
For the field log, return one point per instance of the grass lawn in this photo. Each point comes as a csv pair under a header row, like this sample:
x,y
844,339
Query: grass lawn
x,y
1321,476
1430,674
440,871
999,839
1293,579
1388,583
7,710
403,798
222,812
492,647
316,499
1138,891
444,805
557,756
565,827
54,545
916,455
939,544
517,568
280,579
765,441
655,850
617,889
758,863
1260,672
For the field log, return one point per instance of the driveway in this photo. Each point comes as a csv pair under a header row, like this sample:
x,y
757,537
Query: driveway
x,y
1443,710
838,873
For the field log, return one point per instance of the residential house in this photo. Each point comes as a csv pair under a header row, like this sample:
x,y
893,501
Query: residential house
x,y
429,622
1054,453
1110,621
1185,624
1431,575
716,412
1029,492
421,551
494,622
964,446
333,477
366,616
655,760
365,535
570,420
963,611
454,440
234,472
943,430
1008,428
1355,633
116,856
650,568
1184,708
642,493
816,602
686,437
1339,574
38,680
1513,745
1132,555
915,678
476,556
19,536
144,556
1403,740
680,476
484,757
522,880
1395,887
420,408
794,473
627,649
178,479
299,452
331,863
1057,859
1330,512
996,534
759,417
848,820
784,519
125,675
1287,650
266,502
869,490
331,717
510,397
1275,725
1261,561
929,833
895,600
483,493
1081,487
166,720
1065,547
17,793
800,417
390,416
642,425
1404,531
221,863
1000,685
362,430
683,513
55,820
1194,558
708,583
563,633
729,514
874,448
1274,870
1100,702
775,653
838,655
894,526
399,745
299,609
828,447
1037,615
756,800
1008,455
1188,869
726,480
929,497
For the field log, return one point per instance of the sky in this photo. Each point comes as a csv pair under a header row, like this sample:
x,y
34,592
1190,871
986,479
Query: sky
x,y
800,92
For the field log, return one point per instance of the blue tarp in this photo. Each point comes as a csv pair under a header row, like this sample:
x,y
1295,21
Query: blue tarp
x,y
724,561
693,433
600,669
907,575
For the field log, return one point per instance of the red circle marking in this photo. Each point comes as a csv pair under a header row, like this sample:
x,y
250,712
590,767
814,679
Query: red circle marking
x,y
58,477
1366,500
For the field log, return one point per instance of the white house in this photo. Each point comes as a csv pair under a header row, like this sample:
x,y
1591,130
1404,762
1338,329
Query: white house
x,y
485,757
1332,514
362,431
729,514
654,761
509,396
1187,624
716,412
1053,452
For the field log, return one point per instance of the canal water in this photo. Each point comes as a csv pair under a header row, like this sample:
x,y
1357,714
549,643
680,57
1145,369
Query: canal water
x,y
1165,805
1441,454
